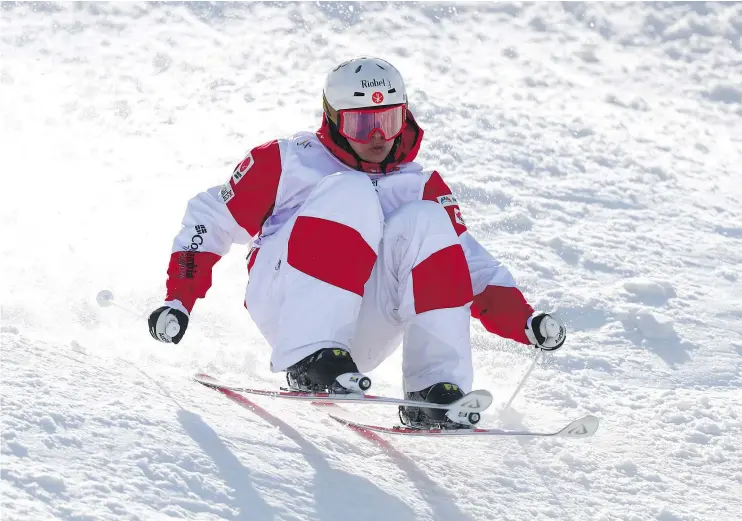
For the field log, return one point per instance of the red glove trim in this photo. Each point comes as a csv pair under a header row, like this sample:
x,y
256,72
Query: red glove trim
x,y
189,276
503,311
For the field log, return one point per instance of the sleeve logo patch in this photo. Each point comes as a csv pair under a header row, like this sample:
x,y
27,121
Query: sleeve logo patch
x,y
243,168
458,217
226,192
447,200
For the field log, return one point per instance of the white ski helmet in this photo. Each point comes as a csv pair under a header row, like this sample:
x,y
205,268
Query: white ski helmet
x,y
362,82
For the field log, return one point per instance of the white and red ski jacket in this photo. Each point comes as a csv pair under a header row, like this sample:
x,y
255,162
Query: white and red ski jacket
x,y
272,182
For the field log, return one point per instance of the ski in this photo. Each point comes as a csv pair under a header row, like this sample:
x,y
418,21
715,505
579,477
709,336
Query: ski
x,y
582,428
242,401
473,402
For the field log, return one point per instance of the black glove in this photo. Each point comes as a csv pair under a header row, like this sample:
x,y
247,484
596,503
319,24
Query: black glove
x,y
167,324
546,332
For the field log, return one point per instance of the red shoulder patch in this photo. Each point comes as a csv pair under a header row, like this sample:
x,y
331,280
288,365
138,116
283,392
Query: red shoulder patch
x,y
250,194
438,191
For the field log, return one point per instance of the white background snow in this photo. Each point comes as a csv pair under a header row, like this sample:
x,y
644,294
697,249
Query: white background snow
x,y
595,149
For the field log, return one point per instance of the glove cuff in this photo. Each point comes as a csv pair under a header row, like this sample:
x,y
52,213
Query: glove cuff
x,y
529,332
177,304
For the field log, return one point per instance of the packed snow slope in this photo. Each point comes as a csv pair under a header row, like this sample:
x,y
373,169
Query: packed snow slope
x,y
595,149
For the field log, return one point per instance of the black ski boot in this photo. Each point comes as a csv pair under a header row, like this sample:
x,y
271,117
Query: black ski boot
x,y
319,372
423,418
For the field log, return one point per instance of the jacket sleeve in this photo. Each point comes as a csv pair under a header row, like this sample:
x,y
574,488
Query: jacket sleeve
x,y
219,217
498,303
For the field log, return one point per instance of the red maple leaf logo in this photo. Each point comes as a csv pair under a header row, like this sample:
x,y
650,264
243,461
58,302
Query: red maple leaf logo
x,y
377,97
244,167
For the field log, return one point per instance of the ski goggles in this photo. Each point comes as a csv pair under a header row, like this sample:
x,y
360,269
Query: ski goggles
x,y
359,124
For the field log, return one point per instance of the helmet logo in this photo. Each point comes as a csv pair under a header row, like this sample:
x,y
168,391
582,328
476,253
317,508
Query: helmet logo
x,y
377,97
373,83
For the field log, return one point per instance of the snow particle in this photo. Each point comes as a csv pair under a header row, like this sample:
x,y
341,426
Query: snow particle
x,y
628,467
698,437
17,449
649,324
724,94
649,291
48,424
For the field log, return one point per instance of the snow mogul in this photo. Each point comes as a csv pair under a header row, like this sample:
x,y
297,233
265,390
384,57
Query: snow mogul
x,y
356,248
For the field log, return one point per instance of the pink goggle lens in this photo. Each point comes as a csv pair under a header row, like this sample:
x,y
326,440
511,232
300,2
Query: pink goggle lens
x,y
359,124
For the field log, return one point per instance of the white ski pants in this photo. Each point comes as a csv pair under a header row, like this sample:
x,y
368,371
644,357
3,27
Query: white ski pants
x,y
339,275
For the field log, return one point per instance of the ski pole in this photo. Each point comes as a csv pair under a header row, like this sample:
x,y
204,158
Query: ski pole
x,y
525,377
105,299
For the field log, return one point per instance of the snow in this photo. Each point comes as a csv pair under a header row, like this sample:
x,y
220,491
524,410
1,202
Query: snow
x,y
595,149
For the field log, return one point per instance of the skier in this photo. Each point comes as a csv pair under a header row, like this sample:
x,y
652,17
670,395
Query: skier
x,y
355,248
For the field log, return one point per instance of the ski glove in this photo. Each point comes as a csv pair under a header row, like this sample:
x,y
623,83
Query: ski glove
x,y
546,332
167,324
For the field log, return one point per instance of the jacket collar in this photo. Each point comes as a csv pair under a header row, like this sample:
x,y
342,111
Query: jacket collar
x,y
404,151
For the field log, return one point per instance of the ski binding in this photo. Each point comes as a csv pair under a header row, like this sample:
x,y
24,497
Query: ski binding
x,y
465,410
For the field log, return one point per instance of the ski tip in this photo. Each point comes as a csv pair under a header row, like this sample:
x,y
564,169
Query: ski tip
x,y
582,428
483,393
478,399
203,378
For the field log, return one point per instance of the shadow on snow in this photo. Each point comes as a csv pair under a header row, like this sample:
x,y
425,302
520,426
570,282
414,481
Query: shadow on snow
x,y
337,494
